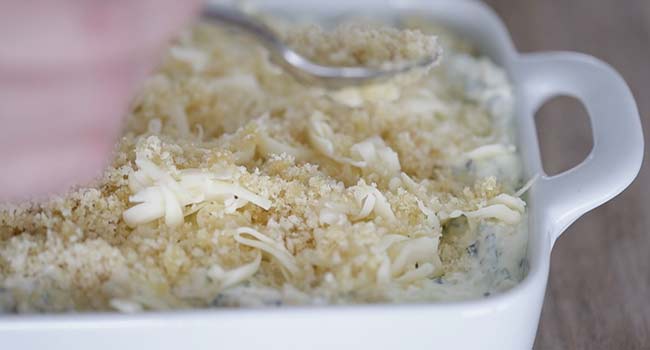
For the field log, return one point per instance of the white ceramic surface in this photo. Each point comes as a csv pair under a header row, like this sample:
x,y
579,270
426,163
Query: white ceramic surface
x,y
506,321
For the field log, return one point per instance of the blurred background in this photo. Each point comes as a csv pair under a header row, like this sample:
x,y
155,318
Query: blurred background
x,y
599,285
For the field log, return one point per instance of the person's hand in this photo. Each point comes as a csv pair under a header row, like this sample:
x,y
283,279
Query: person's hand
x,y
67,71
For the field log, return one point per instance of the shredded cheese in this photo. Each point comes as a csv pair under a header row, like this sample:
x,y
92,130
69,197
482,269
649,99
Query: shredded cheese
x,y
197,59
431,216
160,195
408,253
527,186
514,203
269,146
496,211
374,153
320,137
489,151
371,200
239,274
234,185
267,245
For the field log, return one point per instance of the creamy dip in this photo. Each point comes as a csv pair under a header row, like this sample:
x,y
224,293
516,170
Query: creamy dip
x,y
234,185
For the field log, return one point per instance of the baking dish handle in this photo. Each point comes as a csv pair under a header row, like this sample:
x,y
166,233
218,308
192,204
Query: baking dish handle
x,y
616,156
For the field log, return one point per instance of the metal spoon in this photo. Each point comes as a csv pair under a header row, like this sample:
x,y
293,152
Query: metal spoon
x,y
299,66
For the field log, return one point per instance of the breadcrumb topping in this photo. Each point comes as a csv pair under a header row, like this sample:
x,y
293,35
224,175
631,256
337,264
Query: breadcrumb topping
x,y
234,185
362,44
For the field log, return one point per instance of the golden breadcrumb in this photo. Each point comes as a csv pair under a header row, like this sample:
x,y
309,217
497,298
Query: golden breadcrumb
x,y
234,185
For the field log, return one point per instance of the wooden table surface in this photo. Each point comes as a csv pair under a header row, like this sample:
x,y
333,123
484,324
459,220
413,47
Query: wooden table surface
x,y
599,289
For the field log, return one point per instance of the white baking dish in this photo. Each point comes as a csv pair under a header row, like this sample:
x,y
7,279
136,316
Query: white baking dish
x,y
506,321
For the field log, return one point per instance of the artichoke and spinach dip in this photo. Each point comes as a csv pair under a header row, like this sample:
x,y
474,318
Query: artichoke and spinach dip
x,y
234,185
